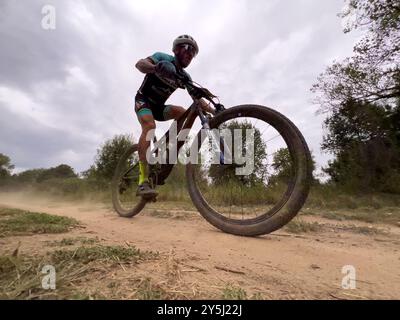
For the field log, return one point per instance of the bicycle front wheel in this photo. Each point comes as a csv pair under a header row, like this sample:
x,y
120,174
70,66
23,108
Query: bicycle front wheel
x,y
270,193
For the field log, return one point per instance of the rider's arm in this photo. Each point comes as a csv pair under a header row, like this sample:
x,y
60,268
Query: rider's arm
x,y
146,65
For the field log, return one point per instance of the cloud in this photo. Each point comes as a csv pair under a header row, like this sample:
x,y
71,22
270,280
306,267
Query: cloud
x,y
64,92
35,145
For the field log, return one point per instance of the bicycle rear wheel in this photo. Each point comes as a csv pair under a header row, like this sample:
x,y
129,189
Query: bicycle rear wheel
x,y
124,184
268,197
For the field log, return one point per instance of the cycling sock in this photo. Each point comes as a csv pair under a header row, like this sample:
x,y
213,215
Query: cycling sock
x,y
143,176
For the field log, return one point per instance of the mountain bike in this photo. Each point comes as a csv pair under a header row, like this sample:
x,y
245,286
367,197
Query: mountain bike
x,y
247,205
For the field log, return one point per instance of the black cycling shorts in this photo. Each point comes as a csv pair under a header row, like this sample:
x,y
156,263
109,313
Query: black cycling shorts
x,y
144,107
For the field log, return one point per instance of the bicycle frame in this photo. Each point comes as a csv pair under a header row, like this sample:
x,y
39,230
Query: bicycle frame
x,y
185,121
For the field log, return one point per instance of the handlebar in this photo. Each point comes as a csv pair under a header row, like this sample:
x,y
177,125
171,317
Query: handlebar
x,y
197,92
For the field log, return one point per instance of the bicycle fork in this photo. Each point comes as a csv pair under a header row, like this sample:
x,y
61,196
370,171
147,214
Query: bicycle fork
x,y
216,139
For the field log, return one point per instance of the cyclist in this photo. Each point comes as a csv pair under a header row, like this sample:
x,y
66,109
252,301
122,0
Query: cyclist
x,y
158,85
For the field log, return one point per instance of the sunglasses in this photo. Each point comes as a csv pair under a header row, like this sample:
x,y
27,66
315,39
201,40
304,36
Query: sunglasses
x,y
189,48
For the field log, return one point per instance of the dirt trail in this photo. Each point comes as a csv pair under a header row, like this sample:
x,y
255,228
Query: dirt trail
x,y
280,265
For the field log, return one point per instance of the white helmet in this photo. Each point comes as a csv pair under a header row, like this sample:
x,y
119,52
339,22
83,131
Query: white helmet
x,y
185,39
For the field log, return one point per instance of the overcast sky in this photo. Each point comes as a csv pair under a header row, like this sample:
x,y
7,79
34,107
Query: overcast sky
x,y
63,92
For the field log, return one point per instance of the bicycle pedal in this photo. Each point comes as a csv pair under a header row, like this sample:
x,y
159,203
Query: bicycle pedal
x,y
153,199
150,198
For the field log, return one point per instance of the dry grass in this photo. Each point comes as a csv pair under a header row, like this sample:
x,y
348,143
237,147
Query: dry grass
x,y
148,290
100,253
21,276
73,241
231,292
299,226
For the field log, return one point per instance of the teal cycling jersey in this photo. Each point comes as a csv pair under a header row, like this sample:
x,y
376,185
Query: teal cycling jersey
x,y
156,88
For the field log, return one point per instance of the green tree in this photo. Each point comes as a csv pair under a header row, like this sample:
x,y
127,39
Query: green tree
x,y
108,156
5,168
282,166
222,173
29,176
62,171
282,163
362,97
360,122
372,74
365,139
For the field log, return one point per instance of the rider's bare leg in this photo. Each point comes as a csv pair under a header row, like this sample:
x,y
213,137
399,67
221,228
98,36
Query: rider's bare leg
x,y
205,106
174,112
147,122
